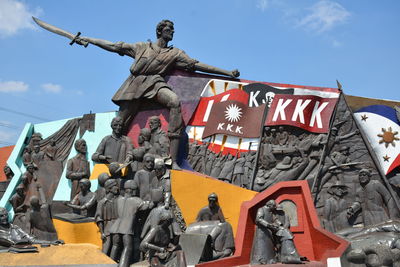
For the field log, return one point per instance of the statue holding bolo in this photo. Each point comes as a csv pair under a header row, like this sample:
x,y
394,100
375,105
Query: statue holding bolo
x,y
153,61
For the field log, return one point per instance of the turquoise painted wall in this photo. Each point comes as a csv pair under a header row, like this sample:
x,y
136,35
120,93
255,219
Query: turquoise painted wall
x,y
93,139
102,128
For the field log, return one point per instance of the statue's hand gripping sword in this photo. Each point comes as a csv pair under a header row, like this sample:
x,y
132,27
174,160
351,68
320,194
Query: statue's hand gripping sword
x,y
56,30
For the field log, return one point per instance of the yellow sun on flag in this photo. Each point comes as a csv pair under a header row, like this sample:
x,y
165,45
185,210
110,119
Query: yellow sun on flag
x,y
388,137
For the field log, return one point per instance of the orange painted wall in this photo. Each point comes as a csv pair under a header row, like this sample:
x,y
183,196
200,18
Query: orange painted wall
x,y
191,191
78,232
4,154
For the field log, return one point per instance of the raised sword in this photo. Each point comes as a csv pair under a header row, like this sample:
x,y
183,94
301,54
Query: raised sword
x,y
59,31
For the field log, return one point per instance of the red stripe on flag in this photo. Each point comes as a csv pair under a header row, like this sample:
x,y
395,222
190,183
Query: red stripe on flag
x,y
200,112
394,164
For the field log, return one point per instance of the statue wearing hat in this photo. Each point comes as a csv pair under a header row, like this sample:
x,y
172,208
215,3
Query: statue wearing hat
x,y
212,212
335,208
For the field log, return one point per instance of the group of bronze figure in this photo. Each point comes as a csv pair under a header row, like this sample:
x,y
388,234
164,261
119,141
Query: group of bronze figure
x,y
133,206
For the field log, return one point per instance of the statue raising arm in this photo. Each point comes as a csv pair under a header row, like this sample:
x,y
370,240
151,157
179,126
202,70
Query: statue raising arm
x,y
214,70
120,48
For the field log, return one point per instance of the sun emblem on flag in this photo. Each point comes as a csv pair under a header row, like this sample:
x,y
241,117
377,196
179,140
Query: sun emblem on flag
x,y
388,137
233,113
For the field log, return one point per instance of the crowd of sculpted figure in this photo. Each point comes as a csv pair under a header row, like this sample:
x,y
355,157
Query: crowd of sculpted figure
x,y
129,206
232,169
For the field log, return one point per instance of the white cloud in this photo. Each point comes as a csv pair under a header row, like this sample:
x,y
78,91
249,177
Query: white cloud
x,y
323,16
13,86
336,43
14,16
6,136
262,4
52,88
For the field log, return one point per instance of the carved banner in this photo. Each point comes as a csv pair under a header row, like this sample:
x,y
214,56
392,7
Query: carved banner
x,y
234,118
311,113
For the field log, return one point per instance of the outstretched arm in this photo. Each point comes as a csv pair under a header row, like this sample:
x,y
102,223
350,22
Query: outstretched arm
x,y
118,47
214,70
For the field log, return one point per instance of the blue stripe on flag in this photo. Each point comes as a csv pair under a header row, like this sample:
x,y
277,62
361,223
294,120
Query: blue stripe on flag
x,y
382,110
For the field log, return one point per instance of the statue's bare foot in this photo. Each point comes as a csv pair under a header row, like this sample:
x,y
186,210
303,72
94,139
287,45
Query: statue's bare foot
x,y
175,166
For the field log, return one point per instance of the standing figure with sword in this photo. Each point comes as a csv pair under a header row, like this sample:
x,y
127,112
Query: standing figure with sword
x,y
153,61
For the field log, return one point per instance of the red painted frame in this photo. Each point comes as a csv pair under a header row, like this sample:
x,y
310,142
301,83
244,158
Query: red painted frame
x,y
312,241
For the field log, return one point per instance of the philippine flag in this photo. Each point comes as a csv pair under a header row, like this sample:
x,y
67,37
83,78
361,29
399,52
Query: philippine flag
x,y
382,128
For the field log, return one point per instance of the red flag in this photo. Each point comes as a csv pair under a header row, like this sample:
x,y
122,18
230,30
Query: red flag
x,y
205,105
234,118
312,113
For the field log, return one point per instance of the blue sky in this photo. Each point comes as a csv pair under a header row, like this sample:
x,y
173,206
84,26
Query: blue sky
x,y
302,42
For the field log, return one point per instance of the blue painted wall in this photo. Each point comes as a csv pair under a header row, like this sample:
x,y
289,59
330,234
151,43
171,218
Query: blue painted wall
x,y
102,128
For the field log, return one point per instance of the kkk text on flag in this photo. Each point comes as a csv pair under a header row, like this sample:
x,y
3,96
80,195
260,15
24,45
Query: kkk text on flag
x,y
234,118
382,128
309,112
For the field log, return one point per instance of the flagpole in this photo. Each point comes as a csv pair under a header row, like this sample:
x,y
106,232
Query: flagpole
x,y
375,160
253,176
323,156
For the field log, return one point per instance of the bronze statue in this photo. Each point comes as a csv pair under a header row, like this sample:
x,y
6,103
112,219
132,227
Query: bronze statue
x,y
17,201
115,147
101,191
158,138
50,151
144,176
160,188
153,61
8,172
273,240
12,235
122,230
161,248
27,156
335,208
106,214
161,184
37,155
84,203
373,200
286,249
78,167
39,218
116,174
137,164
144,140
212,212
28,176
263,251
